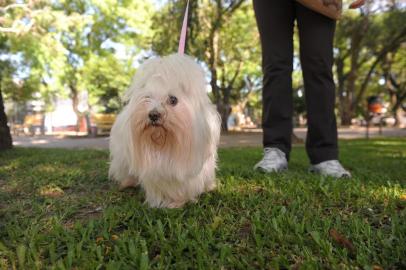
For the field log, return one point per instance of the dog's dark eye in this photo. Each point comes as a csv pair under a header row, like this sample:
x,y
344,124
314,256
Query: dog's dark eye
x,y
173,100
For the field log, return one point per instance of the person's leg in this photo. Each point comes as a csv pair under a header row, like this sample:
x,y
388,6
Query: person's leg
x,y
316,34
275,20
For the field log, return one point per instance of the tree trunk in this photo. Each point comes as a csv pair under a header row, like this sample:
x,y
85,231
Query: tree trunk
x,y
348,98
346,115
396,92
397,114
343,103
224,113
347,93
79,115
5,136
397,110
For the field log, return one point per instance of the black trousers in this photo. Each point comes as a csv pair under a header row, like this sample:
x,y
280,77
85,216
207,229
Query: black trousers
x,y
275,19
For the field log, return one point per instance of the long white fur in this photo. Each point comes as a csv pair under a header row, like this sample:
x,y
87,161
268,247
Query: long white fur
x,y
176,162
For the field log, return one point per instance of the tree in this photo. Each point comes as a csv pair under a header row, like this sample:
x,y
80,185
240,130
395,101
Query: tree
x,y
362,43
105,78
394,74
91,31
5,136
60,42
222,36
15,19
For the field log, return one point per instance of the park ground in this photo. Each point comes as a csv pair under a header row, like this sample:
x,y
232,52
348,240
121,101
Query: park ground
x,y
252,138
58,210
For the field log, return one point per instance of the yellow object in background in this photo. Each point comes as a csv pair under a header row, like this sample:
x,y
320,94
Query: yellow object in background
x,y
102,123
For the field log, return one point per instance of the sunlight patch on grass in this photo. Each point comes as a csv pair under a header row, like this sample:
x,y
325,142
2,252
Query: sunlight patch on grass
x,y
388,143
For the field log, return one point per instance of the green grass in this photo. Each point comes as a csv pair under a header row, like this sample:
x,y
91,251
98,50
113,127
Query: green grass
x,y
59,211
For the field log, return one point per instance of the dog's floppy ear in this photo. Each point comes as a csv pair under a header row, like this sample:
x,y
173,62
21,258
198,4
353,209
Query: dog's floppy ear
x,y
125,99
142,75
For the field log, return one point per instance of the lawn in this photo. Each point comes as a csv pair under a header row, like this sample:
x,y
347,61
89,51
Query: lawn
x,y
58,210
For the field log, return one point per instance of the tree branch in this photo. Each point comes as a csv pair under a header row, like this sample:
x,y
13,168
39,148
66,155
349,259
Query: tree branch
x,y
233,7
392,46
237,72
393,81
13,6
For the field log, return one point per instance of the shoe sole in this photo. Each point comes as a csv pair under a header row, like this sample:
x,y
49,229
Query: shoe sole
x,y
262,170
343,176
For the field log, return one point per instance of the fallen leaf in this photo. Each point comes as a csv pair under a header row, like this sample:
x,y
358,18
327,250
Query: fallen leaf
x,y
99,239
259,190
114,237
342,240
69,224
51,191
377,267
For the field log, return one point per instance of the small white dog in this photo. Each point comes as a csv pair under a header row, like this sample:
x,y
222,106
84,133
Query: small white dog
x,y
166,137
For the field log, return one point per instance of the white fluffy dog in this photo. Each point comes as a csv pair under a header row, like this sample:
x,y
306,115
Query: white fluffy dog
x,y
166,137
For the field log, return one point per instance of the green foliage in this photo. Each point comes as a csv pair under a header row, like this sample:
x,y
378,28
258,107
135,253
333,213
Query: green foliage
x,y
227,44
91,61
362,44
59,210
223,37
12,87
66,47
67,38
106,78
166,25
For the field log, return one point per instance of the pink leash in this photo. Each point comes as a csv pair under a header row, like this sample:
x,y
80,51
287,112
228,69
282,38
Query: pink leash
x,y
182,39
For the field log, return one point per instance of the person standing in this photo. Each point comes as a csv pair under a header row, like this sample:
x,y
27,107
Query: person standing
x,y
275,21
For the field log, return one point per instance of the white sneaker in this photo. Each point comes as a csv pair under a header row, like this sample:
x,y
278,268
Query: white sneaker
x,y
330,168
274,160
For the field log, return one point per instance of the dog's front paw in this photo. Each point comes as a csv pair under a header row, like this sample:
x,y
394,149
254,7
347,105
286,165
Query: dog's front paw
x,y
165,204
210,186
130,181
174,205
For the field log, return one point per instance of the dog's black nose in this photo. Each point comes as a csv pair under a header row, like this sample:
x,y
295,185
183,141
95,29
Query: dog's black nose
x,y
154,116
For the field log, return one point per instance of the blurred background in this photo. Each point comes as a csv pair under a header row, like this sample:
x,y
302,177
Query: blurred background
x,y
65,64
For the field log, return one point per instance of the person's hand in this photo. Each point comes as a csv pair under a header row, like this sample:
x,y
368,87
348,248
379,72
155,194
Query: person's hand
x,y
335,3
357,3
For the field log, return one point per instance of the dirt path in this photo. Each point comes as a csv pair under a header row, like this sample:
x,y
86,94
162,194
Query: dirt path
x,y
240,139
